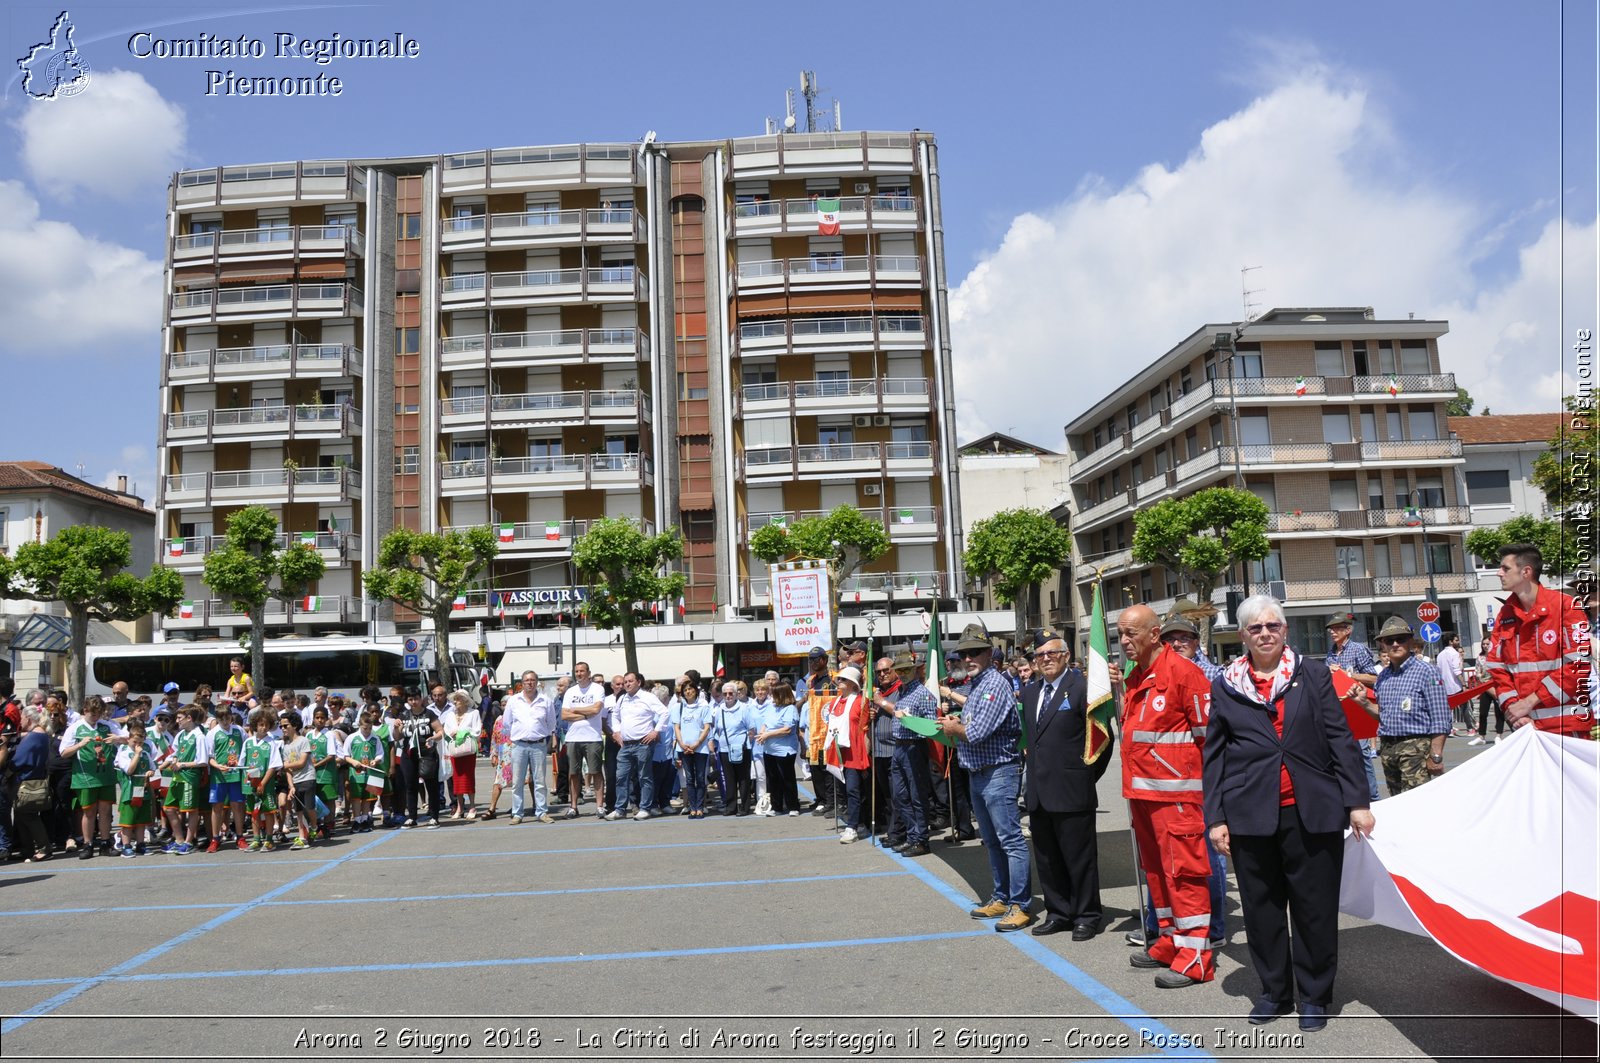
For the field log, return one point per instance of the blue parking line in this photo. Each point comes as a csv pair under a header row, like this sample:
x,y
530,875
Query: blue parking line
x,y
1107,999
120,970
516,961
299,903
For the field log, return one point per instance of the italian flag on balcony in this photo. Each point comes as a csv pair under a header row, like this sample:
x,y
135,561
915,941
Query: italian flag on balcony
x,y
508,532
552,530
186,611
308,539
311,603
1394,386
1299,385
460,604
174,547
828,217
498,602
906,516
529,613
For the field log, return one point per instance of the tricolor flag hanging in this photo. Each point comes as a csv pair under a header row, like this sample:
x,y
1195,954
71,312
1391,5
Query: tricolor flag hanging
x,y
497,602
186,611
721,667
460,604
1100,708
683,607
916,587
1299,385
1522,902
311,603
1394,386
529,613
308,539
828,217
175,547
333,522
508,531
552,530
907,516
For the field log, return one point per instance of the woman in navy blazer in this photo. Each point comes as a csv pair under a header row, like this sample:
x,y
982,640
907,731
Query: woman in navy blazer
x,y
1283,778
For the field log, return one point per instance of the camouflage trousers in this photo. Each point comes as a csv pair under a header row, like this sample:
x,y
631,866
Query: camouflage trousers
x,y
1405,761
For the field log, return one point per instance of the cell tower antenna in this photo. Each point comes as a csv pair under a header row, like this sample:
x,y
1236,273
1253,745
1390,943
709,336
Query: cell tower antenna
x,y
1245,292
808,89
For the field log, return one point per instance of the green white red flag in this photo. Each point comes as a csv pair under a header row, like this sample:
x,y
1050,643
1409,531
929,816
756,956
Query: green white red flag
x,y
828,217
1100,707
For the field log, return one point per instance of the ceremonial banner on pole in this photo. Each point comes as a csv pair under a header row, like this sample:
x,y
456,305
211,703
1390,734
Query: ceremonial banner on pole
x,y
1100,707
1521,902
802,606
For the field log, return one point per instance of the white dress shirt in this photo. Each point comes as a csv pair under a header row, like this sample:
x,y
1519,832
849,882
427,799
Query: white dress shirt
x,y
528,721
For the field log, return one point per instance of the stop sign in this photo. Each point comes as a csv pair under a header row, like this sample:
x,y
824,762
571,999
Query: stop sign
x,y
1428,612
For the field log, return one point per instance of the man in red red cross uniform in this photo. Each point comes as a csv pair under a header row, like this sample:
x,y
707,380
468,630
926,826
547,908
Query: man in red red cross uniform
x,y
1165,706
1538,650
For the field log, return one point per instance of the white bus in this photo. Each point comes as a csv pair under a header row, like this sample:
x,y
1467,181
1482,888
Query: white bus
x,y
343,664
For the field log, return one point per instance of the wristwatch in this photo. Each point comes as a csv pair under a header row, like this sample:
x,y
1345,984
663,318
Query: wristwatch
x,y
1436,758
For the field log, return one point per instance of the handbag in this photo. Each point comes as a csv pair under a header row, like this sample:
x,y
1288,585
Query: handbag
x,y
33,795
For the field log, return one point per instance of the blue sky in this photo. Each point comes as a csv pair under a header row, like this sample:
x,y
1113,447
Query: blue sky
x,y
1107,168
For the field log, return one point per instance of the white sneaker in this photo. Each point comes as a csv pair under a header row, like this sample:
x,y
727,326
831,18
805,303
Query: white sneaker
x,y
641,814
848,835
1476,741
613,814
795,813
516,821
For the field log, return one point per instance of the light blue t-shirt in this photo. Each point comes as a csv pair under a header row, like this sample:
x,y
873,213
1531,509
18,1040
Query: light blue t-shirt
x,y
775,717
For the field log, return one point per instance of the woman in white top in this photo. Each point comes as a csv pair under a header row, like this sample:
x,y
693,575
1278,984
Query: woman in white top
x,y
462,727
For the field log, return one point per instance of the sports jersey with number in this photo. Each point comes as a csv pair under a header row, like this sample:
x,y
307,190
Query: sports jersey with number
x,y
323,743
226,744
94,764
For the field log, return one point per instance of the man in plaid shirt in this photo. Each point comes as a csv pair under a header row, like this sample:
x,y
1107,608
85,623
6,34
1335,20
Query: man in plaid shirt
x,y
988,730
1414,715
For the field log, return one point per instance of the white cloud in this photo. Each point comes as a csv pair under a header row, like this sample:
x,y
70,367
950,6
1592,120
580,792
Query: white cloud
x,y
136,463
1085,293
61,289
115,140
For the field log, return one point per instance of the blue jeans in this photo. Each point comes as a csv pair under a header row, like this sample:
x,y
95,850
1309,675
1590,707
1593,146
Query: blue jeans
x,y
994,793
909,776
1367,754
526,757
694,773
633,774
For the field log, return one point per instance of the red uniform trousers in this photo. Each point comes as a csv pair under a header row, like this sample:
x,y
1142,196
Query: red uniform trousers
x,y
1172,850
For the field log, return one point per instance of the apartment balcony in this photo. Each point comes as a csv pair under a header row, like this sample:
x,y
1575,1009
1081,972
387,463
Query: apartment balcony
x,y
283,361
559,166
1434,518
1114,448
186,553
547,473
819,335
806,398
543,287
839,459
542,228
541,537
216,612
266,301
799,153
545,409
903,523
798,217
207,427
1409,451
271,183
848,272
262,486
1441,386
906,589
1369,590
767,465
229,246
507,350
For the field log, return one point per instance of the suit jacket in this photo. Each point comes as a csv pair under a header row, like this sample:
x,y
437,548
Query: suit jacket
x,y
1058,779
1243,754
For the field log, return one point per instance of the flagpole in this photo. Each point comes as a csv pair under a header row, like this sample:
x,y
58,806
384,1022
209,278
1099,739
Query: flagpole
x,y
1097,619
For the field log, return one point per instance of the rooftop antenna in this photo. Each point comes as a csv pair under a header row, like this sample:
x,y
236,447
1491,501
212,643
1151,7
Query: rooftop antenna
x,y
838,121
1245,292
808,89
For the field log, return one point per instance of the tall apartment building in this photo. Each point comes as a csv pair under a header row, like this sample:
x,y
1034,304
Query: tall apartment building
x,y
713,335
1335,419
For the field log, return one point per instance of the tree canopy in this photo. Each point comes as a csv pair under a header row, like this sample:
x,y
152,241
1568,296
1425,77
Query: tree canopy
x,y
1569,472
1198,537
1461,405
84,567
1016,550
426,572
843,538
625,569
253,567
1557,544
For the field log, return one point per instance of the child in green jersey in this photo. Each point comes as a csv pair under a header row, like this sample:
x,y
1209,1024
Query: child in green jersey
x,y
136,768
261,760
325,748
190,754
364,753
91,745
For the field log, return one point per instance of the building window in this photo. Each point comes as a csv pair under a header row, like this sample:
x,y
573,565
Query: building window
x,y
1330,359
1342,495
408,462
1267,491
1351,561
1424,425
410,226
1268,569
1336,426
1369,425
1392,425
1133,415
1408,559
1375,492
1248,365
1430,491
1489,487
5,517
1414,358
1358,350
1439,557
406,340
1254,429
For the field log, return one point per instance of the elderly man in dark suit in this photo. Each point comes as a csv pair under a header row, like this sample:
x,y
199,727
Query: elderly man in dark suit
x,y
1060,791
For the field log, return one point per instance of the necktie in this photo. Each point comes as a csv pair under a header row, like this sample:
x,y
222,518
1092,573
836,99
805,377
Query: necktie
x,y
1044,699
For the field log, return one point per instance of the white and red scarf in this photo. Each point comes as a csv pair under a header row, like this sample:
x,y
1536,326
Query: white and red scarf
x,y
1237,677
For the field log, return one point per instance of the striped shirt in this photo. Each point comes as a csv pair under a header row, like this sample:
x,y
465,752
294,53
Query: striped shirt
x,y
991,721
1412,700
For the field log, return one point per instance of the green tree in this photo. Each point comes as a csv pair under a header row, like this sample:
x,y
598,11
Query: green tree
x,y
626,568
426,572
1461,405
1016,550
843,538
1557,545
1199,537
1569,472
252,569
84,567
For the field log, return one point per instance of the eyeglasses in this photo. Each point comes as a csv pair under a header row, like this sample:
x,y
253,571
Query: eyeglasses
x,y
1395,640
972,653
1041,654
1274,627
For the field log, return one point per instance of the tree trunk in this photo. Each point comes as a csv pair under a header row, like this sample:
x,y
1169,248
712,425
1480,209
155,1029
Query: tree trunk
x,y
258,645
1019,618
630,651
77,653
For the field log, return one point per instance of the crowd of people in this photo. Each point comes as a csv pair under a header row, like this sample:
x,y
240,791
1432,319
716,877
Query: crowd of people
x,y
1253,760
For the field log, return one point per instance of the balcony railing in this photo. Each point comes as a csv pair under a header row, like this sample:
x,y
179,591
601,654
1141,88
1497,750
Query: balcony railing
x,y
1430,383
1429,516
318,359
269,484
543,283
256,242
799,215
260,299
849,269
908,451
814,330
336,416
1305,521
511,348
839,452
1411,450
340,544
544,226
553,465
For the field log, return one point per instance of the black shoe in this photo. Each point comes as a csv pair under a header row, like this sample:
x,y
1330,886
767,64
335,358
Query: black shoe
x,y
1266,1009
1053,925
1145,960
1313,1017
1085,931
1174,980
938,823
919,849
86,853
967,835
